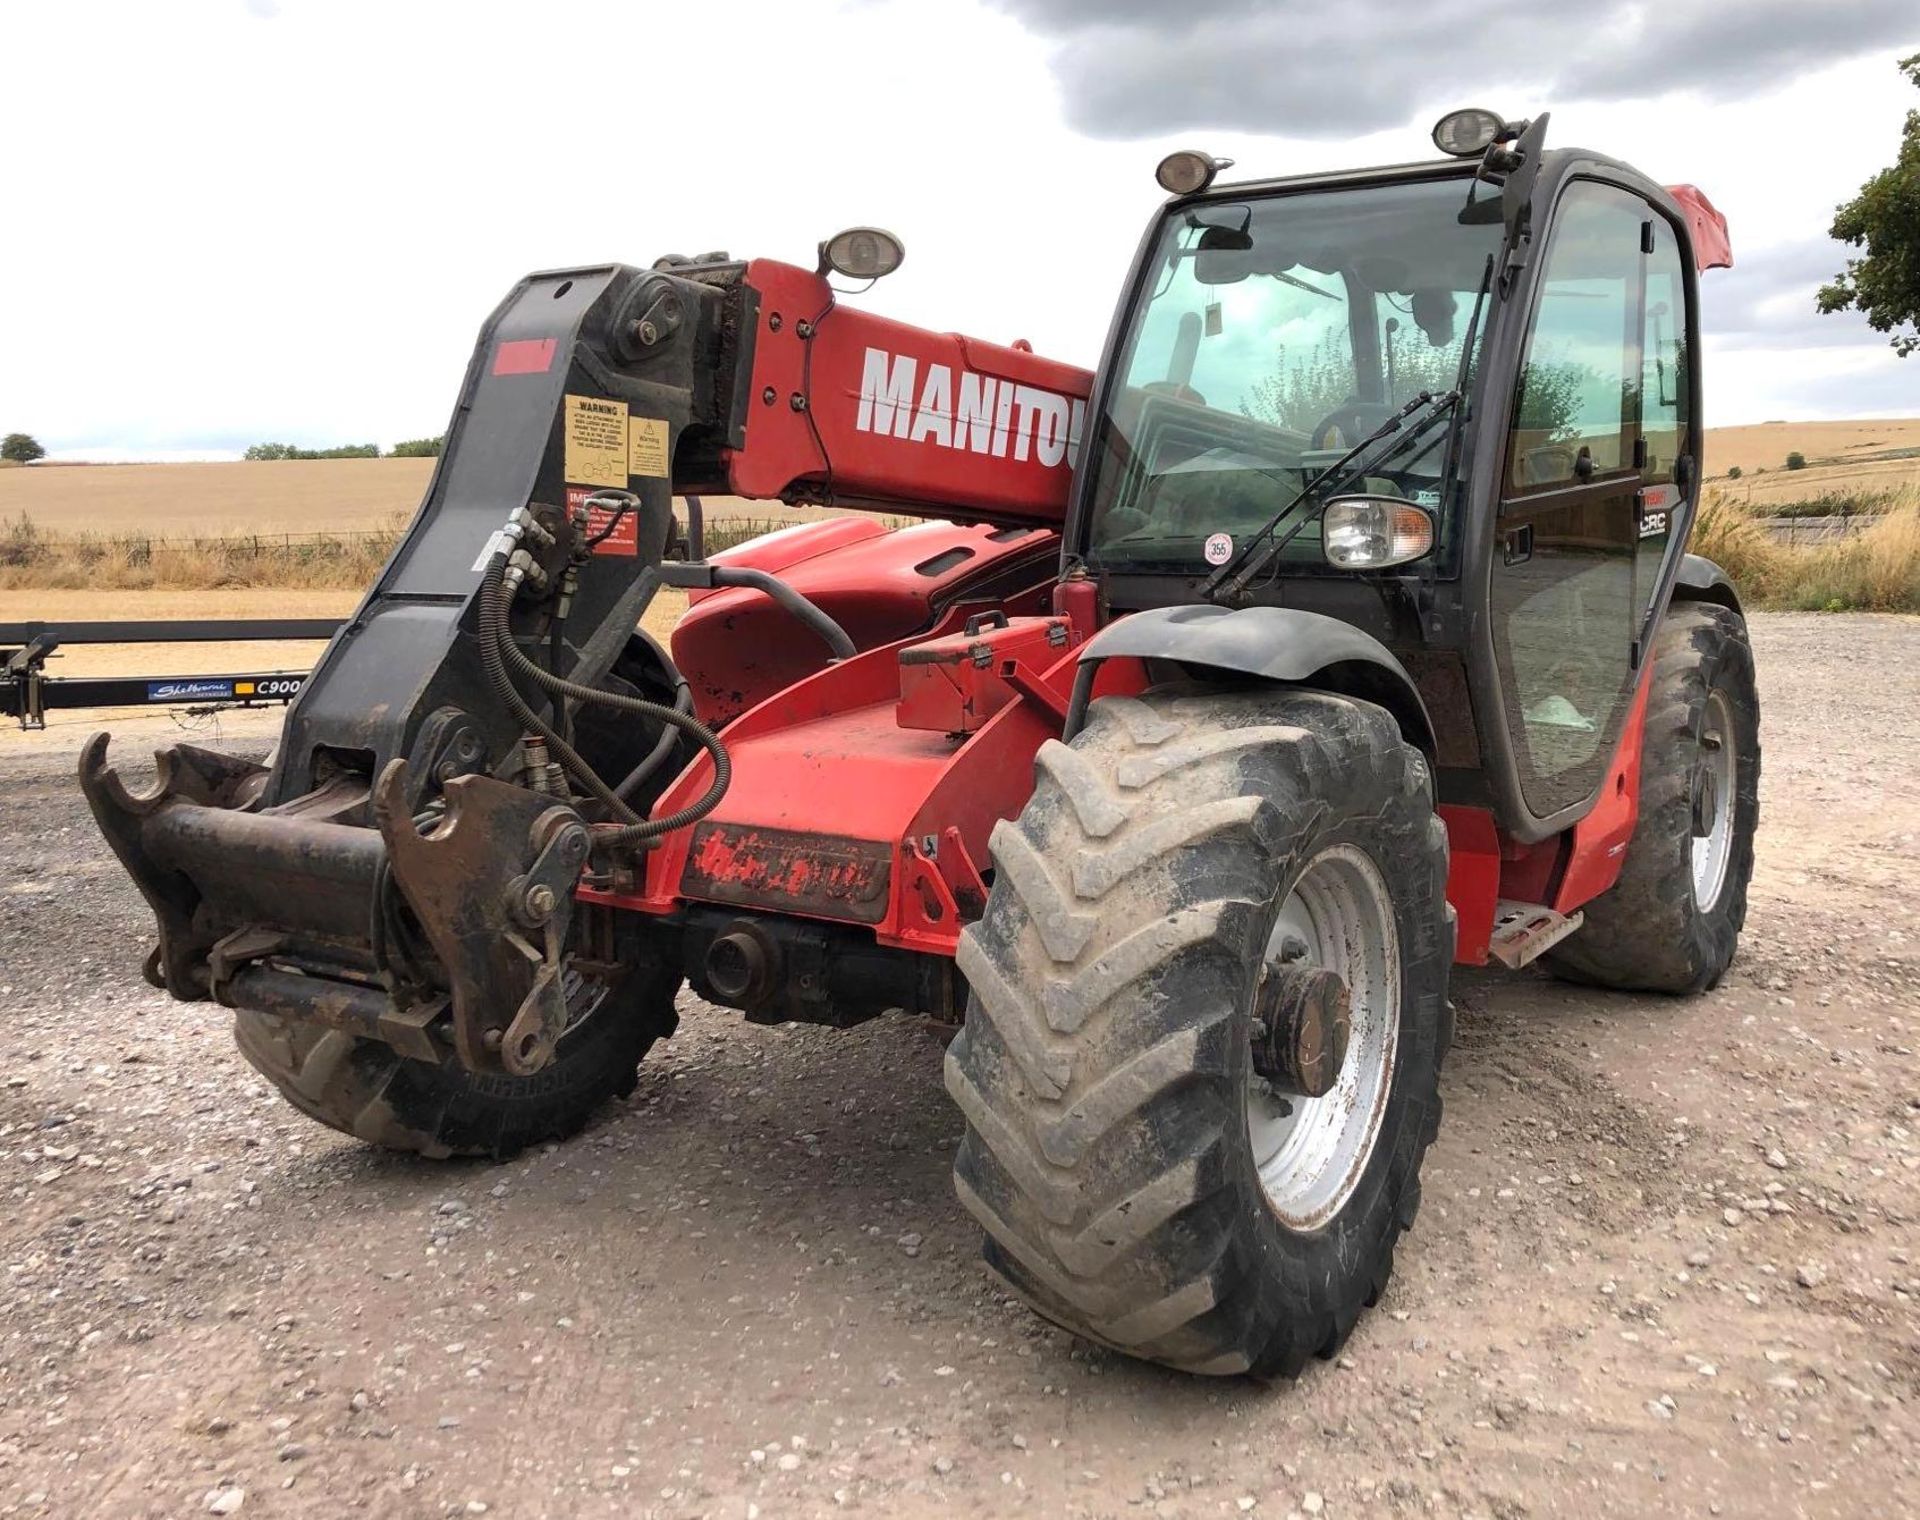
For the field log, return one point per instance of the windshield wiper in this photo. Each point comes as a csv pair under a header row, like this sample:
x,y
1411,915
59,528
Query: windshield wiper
x,y
1260,548
1237,574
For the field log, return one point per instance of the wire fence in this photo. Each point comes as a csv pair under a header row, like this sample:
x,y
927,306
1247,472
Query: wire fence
x,y
32,558
1816,530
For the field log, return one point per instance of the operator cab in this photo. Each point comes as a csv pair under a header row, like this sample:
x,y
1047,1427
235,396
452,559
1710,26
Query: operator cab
x,y
1478,372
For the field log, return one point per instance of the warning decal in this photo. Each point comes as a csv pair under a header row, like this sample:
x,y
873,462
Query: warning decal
x,y
596,441
625,537
647,447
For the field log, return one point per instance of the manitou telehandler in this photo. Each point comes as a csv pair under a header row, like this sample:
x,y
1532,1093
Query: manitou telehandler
x,y
1338,629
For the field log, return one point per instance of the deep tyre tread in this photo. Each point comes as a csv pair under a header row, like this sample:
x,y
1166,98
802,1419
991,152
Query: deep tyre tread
x,y
365,1088
1647,933
1103,1066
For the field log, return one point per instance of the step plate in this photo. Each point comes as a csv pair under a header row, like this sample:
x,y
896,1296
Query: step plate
x,y
1522,932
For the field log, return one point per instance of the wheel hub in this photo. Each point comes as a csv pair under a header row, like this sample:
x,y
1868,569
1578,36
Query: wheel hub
x,y
1706,800
1715,789
1302,1020
1324,1031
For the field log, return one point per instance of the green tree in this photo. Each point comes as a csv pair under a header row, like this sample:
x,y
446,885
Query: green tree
x,y
1551,394
291,451
21,448
1733,472
419,448
1306,386
1796,460
1884,219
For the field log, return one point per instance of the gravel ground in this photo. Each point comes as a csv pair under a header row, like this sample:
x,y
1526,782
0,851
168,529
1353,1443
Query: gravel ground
x,y
1667,1264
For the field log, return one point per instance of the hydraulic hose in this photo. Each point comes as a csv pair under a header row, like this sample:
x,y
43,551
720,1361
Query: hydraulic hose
x,y
704,576
494,635
663,746
499,655
830,632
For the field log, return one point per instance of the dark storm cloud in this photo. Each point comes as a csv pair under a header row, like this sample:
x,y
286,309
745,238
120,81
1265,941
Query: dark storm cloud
x,y
1138,68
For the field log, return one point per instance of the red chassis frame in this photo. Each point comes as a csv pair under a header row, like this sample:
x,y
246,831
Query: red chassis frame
x,y
939,425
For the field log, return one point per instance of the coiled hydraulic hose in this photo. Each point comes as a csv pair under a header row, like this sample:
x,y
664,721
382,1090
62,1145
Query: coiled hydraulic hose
x,y
499,655
663,746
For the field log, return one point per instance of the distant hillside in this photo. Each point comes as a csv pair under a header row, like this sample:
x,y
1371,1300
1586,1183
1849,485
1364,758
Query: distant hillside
x,y
348,495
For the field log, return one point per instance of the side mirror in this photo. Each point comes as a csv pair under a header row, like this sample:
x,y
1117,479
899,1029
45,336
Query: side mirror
x,y
1374,532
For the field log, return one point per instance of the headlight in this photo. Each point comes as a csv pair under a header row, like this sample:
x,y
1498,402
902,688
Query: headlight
x,y
1369,532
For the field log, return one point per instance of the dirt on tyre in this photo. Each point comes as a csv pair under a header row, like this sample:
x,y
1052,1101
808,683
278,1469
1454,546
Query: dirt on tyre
x,y
1672,920
1138,1181
365,1088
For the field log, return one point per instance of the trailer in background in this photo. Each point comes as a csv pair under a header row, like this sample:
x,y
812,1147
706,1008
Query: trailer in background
x,y
27,692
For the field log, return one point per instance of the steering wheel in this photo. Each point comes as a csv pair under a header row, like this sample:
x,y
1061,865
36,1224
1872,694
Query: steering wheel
x,y
1175,389
1354,419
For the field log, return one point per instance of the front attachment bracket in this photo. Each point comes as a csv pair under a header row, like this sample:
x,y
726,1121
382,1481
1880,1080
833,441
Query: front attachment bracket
x,y
492,886
187,775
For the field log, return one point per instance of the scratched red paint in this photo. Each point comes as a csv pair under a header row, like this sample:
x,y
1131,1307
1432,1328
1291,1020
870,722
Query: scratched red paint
x,y
778,868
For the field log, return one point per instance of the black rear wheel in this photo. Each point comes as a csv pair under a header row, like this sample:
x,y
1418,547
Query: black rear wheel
x,y
1146,1173
1672,920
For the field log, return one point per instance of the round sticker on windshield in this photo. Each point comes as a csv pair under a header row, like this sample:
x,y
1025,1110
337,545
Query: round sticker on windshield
x,y
1219,548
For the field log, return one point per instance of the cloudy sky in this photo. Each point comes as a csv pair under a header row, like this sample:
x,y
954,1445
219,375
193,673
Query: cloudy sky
x,y
236,220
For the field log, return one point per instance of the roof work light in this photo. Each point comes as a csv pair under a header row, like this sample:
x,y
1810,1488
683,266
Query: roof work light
x,y
1467,132
1186,172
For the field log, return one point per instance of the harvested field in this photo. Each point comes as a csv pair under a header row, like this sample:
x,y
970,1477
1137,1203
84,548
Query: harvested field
x,y
1857,445
196,500
355,495
1667,1263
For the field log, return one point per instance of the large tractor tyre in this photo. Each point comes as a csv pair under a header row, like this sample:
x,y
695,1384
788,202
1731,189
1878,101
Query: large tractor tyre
x,y
365,1088
1671,921
1184,876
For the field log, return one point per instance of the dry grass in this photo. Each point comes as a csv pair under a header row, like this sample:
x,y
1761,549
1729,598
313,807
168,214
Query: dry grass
x,y
301,496
1876,570
31,558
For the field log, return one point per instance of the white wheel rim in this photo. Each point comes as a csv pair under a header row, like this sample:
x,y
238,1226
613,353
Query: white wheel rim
x,y
1712,801
1312,1152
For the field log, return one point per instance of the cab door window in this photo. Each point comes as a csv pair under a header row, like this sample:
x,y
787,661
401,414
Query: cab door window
x,y
1574,416
1666,416
1563,581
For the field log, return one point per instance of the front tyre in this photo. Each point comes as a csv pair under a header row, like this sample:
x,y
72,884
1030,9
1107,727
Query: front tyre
x,y
1671,921
1145,1174
367,1089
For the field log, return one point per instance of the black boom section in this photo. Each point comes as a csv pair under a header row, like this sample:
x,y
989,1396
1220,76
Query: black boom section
x,y
582,380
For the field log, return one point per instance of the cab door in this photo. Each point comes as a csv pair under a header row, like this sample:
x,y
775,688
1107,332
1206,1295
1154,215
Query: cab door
x,y
1567,615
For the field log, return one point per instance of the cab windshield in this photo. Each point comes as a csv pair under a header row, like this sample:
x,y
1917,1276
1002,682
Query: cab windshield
x,y
1275,334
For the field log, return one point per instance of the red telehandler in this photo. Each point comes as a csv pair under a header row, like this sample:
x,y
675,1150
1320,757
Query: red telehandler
x,y
1340,628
